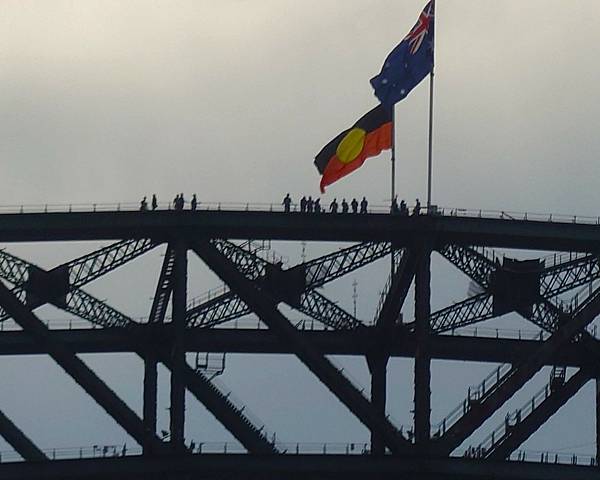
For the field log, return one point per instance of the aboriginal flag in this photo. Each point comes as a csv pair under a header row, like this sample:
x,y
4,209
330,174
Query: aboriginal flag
x,y
368,137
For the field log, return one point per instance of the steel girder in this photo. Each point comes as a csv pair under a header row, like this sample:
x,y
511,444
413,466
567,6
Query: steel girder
x,y
316,273
82,374
158,311
206,466
337,264
163,288
80,271
317,306
89,267
516,377
405,263
509,436
19,441
231,416
87,307
545,314
476,264
265,307
568,275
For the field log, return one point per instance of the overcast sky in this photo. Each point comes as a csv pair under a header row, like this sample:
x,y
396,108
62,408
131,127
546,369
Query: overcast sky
x,y
107,101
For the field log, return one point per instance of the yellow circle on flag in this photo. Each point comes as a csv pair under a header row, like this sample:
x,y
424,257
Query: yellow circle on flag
x,y
351,145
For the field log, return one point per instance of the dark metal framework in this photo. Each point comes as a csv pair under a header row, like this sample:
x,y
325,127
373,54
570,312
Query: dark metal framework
x,y
540,290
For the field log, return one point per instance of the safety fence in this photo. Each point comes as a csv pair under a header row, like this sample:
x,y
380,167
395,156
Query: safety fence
x,y
295,208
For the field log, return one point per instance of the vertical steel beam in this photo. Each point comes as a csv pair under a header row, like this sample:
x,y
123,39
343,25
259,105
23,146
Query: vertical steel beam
x,y
178,361
78,370
150,394
158,311
378,368
597,420
265,306
422,354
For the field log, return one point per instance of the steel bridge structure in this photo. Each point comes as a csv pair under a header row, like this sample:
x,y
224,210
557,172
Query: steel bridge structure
x,y
257,285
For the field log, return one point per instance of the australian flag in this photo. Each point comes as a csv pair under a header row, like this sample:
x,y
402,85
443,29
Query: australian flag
x,y
409,63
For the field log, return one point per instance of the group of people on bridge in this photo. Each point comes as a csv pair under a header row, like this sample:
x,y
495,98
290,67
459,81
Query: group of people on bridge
x,y
178,202
308,205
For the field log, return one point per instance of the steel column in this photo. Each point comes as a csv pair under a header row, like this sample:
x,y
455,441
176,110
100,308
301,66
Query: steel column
x,y
178,361
158,311
150,393
378,368
265,307
422,354
78,370
597,420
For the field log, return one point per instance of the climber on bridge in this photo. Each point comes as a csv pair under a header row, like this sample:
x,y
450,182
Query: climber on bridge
x,y
287,203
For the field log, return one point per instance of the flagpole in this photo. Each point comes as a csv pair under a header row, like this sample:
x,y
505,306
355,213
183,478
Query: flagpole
x,y
392,269
393,153
430,150
430,153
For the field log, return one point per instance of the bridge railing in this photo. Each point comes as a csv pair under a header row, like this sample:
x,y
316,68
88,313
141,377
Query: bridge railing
x,y
287,448
276,207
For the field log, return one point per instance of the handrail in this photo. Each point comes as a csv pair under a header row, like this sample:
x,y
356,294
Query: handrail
x,y
287,448
276,207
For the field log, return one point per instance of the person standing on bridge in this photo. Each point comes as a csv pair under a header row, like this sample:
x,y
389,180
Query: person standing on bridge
x,y
333,206
318,205
154,202
363,205
143,205
287,203
354,205
403,208
394,208
344,206
417,209
303,204
310,204
194,203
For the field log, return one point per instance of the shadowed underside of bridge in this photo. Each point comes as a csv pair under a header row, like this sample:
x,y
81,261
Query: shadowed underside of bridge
x,y
546,291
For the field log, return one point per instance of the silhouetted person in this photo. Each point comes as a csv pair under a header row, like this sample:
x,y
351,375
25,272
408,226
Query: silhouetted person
x,y
154,202
403,208
303,204
287,203
417,208
333,206
194,202
318,208
143,205
394,210
176,202
344,206
309,205
363,205
354,205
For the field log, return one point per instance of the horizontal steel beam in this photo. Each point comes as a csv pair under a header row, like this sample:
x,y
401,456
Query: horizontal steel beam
x,y
403,231
293,467
353,343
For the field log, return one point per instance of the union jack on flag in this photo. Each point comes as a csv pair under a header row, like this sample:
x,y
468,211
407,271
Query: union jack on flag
x,y
419,31
408,63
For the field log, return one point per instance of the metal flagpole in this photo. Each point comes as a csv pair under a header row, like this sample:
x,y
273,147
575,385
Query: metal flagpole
x,y
393,179
430,152
393,153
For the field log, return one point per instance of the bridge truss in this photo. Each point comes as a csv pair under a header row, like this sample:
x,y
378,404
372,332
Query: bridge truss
x,y
546,291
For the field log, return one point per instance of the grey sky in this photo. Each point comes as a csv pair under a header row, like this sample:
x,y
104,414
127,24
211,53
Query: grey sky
x,y
106,101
